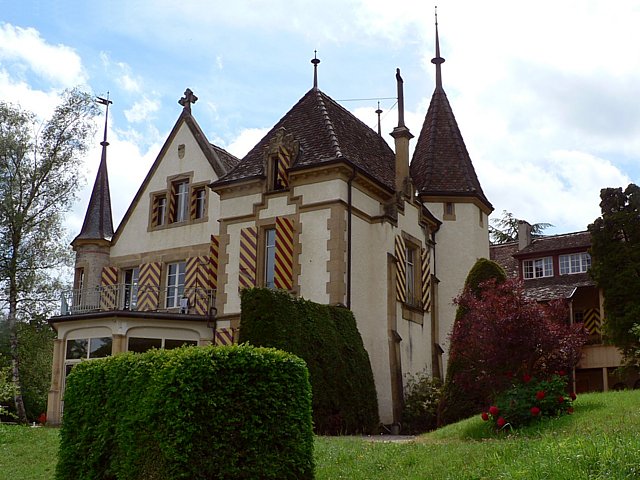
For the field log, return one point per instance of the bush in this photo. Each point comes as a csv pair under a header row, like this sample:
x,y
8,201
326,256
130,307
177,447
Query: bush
x,y
193,413
421,397
327,339
528,400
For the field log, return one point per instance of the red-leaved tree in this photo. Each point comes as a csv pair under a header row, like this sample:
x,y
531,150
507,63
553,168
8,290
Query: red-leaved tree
x,y
502,334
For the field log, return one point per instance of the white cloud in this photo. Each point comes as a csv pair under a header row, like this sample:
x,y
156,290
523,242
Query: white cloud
x,y
245,141
142,110
56,63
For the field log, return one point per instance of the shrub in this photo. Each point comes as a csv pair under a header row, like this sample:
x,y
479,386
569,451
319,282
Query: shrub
x,y
327,339
528,400
421,397
503,333
193,413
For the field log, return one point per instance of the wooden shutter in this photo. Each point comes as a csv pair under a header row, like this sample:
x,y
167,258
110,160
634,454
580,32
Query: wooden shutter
x,y
214,252
154,211
109,288
171,203
592,321
149,286
248,257
425,270
196,284
401,266
283,277
284,162
224,336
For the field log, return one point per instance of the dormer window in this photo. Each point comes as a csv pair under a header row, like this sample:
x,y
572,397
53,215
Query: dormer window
x,y
280,154
181,200
182,203
574,263
538,268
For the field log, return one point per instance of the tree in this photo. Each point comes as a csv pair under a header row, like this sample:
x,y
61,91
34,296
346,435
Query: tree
x,y
39,176
505,229
615,264
502,334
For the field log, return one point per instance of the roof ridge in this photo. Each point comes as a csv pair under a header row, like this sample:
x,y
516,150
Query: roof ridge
x,y
328,123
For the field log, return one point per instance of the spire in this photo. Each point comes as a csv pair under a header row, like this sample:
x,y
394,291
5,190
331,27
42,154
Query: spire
x,y
98,224
315,60
438,60
378,112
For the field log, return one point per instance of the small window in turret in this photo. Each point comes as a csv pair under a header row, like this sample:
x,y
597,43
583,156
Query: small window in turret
x,y
449,211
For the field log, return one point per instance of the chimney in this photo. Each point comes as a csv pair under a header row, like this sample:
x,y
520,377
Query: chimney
x,y
524,234
401,136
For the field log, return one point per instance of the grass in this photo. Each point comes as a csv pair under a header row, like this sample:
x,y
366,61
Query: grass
x,y
600,441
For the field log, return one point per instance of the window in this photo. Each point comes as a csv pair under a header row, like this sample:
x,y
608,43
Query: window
x,y
181,201
574,263
159,211
411,264
78,285
141,345
200,199
269,257
175,284
449,210
130,293
480,217
87,348
538,268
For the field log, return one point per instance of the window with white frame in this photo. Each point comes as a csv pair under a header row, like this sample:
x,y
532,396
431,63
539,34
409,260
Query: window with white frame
x,y
538,268
175,283
130,288
200,196
182,201
142,344
412,274
574,263
269,257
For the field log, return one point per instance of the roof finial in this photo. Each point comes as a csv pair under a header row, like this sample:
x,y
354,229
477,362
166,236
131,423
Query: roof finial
x,y
187,100
400,83
438,60
107,102
315,60
378,112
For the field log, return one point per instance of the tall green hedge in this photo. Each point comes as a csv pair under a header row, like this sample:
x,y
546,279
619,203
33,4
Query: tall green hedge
x,y
327,338
190,413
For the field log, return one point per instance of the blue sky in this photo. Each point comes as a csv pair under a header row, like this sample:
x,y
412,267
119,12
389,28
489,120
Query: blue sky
x,y
546,94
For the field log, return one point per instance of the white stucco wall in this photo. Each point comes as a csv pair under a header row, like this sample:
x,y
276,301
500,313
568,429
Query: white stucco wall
x,y
314,256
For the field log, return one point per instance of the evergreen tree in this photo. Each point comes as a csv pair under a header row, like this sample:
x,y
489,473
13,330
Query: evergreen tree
x,y
615,264
505,229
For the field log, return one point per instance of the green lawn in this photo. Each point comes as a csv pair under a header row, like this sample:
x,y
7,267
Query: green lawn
x,y
600,441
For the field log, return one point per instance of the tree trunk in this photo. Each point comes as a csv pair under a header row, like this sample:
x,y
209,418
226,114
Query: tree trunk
x,y
13,342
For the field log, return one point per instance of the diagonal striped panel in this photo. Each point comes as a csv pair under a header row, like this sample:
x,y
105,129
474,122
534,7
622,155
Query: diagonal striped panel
x,y
172,202
149,286
214,253
109,289
224,336
283,277
425,256
154,211
401,270
592,321
283,164
248,257
196,284
193,200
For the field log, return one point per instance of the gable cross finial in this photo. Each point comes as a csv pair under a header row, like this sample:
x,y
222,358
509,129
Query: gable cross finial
x,y
187,100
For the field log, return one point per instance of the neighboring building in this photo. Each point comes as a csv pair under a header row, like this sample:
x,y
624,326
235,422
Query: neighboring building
x,y
556,267
321,207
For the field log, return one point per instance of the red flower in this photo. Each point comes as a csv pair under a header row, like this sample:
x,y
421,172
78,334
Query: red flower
x,y
42,418
485,416
562,373
493,410
526,378
573,396
535,411
570,410
560,399
540,394
500,422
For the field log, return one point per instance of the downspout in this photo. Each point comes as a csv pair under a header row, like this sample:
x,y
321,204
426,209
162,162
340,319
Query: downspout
x,y
349,224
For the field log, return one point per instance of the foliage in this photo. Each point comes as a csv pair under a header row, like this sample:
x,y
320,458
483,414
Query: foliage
x,y
189,413
503,333
39,175
327,339
615,250
456,403
421,397
7,389
529,400
505,229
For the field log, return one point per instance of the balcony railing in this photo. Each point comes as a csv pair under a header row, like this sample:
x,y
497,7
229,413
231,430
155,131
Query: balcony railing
x,y
195,301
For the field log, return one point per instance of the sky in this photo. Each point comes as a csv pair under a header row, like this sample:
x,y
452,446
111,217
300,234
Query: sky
x,y
546,93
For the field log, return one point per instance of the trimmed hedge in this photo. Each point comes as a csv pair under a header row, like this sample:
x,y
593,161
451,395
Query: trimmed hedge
x,y
327,338
193,413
